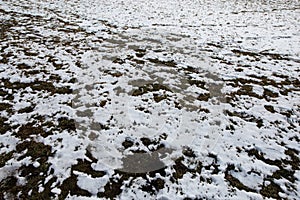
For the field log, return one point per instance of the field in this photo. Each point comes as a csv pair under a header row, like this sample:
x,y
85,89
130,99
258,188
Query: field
x,y
149,99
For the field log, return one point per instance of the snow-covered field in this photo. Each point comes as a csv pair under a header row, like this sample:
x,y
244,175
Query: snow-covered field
x,y
174,99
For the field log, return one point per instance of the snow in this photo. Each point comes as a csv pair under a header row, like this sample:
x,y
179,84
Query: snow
x,y
116,49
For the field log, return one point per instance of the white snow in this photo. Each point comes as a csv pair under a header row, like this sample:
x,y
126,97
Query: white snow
x,y
208,41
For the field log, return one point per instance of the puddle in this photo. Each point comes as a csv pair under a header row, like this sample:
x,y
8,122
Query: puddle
x,y
158,99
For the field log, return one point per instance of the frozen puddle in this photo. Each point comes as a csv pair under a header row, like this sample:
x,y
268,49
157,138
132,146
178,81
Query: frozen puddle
x,y
140,101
